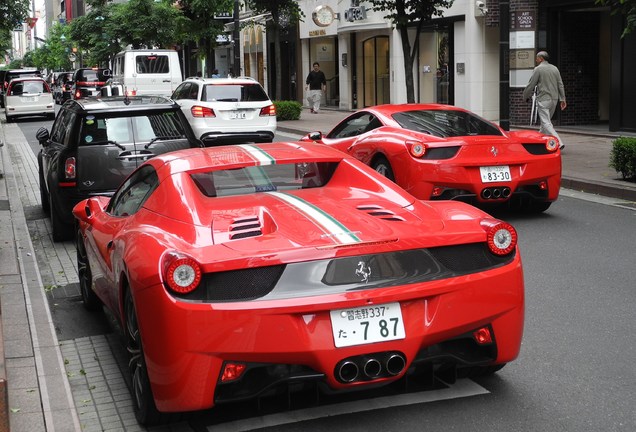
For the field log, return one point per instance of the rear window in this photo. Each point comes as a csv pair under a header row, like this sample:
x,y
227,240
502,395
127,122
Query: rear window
x,y
28,87
91,75
264,178
445,123
131,129
233,93
152,64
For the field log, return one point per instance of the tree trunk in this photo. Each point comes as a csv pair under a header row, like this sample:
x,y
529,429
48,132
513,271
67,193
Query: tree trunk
x,y
408,65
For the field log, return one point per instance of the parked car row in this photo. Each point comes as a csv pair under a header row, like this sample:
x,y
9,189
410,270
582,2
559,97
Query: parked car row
x,y
340,240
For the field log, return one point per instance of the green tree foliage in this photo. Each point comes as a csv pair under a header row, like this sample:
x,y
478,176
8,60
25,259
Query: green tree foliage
x,y
92,34
625,7
146,23
12,14
109,27
284,13
201,27
406,14
54,55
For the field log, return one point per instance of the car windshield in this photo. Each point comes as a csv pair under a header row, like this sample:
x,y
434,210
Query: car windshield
x,y
264,178
129,129
233,93
445,123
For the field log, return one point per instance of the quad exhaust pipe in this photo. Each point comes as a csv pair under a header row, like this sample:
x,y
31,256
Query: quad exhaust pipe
x,y
496,193
370,367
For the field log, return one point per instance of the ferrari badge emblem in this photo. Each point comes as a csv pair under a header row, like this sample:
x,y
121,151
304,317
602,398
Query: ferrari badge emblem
x,y
364,271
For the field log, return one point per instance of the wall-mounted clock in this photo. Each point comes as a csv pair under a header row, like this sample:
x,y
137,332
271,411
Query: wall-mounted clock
x,y
323,16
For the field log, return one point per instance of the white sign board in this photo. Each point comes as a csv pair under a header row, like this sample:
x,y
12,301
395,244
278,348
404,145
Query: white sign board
x,y
521,39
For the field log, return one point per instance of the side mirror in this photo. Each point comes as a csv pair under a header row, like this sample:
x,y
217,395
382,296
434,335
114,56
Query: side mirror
x,y
42,135
315,136
107,72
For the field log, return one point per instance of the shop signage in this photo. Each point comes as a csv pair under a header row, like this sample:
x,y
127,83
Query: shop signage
x,y
522,20
321,32
224,15
355,13
522,59
522,39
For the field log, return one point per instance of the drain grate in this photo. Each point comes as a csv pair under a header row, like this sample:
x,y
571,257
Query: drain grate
x,y
4,205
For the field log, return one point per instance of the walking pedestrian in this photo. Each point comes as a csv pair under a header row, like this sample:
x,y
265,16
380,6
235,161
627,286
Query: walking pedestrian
x,y
316,83
549,92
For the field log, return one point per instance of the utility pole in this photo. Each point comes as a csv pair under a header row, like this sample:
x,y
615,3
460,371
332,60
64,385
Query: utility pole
x,y
236,38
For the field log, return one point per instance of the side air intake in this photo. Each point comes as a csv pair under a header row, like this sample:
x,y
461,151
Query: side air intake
x,y
380,212
249,226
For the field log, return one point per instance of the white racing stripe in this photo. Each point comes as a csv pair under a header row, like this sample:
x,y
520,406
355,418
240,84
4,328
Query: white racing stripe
x,y
462,388
332,227
262,157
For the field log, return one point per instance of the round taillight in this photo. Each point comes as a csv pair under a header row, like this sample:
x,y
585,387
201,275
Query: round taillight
x,y
416,148
502,238
551,144
182,273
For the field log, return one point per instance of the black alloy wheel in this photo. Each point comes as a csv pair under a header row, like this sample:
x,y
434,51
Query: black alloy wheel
x,y
145,408
44,196
382,166
89,298
60,230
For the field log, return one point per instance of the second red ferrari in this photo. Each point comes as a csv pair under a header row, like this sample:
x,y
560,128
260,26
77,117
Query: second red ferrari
x,y
440,152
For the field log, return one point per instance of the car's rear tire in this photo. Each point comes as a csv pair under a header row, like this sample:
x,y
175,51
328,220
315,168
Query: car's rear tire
x,y
89,298
382,166
60,230
145,409
10,119
44,196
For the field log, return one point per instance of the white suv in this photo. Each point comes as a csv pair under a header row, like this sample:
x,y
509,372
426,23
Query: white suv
x,y
227,110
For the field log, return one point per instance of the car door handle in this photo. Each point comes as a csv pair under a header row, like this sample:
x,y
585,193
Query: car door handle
x,y
166,80
128,155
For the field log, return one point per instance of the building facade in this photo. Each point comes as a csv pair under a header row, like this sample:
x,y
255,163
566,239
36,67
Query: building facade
x,y
460,60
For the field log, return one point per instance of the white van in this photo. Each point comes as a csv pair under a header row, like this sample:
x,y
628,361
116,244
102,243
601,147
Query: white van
x,y
145,72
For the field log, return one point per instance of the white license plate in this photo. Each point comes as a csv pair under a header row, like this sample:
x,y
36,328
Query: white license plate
x,y
29,99
237,115
491,174
367,324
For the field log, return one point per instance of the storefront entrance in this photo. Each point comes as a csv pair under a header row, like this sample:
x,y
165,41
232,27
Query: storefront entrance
x,y
375,71
325,51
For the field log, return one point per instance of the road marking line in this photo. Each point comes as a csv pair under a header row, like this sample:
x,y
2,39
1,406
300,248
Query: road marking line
x,y
462,388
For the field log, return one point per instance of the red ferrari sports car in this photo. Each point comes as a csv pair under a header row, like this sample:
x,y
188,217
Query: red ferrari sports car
x,y
442,152
241,271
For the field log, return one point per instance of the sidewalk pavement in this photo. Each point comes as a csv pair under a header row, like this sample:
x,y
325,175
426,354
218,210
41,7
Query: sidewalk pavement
x,y
38,391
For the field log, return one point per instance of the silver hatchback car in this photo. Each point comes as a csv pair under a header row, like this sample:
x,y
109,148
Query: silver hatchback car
x,y
227,110
28,96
